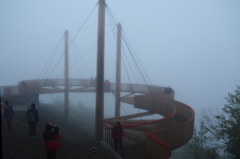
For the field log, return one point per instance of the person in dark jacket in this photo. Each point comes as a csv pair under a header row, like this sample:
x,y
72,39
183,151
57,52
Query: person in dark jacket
x,y
117,135
8,114
32,119
50,133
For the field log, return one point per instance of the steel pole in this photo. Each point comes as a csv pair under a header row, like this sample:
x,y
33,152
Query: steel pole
x,y
100,71
118,72
66,77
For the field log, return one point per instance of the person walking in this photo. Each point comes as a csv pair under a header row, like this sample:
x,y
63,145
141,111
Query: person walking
x,y
51,137
32,119
117,135
8,114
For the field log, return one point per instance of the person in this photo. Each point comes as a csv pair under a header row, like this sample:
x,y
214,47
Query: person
x,y
117,135
168,90
32,119
50,136
8,114
2,108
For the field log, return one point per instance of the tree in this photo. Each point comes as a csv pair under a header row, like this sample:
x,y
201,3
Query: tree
x,y
199,147
226,126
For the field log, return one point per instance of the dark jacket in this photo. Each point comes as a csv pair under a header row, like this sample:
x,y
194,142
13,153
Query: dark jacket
x,y
117,132
50,132
8,112
35,113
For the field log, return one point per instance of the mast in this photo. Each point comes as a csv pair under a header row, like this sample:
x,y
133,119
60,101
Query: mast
x,y
100,71
118,72
66,77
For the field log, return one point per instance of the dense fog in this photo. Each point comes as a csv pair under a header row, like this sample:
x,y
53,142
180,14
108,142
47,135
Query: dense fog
x,y
192,46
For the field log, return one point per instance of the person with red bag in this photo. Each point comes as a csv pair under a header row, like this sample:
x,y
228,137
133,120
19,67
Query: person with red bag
x,y
51,137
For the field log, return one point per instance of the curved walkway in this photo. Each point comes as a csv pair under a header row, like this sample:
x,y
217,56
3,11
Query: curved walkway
x,y
162,135
158,137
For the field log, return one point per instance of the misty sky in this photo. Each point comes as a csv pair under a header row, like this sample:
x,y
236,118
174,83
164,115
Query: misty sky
x,y
192,46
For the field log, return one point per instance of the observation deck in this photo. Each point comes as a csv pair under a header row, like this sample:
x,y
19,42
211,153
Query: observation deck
x,y
153,139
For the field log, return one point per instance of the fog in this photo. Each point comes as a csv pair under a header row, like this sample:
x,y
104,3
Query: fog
x,y
192,46
82,109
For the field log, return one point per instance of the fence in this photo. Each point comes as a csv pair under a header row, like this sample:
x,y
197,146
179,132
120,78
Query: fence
x,y
161,136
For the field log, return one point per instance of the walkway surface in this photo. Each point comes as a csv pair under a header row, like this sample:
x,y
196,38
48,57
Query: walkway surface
x,y
17,145
138,152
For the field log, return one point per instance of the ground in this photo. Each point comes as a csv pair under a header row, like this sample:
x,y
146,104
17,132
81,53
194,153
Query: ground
x,y
17,145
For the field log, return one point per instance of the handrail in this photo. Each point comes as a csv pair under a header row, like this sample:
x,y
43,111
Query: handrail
x,y
146,123
155,134
189,120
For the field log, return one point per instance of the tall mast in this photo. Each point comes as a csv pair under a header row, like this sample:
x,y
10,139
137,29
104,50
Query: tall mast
x,y
118,72
66,77
100,71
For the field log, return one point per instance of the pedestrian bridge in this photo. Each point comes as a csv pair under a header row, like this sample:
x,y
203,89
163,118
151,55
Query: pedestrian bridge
x,y
152,139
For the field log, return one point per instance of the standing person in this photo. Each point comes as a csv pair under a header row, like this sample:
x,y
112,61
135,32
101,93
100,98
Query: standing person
x,y
2,108
51,137
117,135
32,118
8,114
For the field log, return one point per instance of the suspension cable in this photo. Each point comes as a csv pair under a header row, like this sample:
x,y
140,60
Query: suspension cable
x,y
51,58
136,61
128,62
72,41
83,61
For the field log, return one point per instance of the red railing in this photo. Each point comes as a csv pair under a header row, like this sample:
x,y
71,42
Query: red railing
x,y
160,136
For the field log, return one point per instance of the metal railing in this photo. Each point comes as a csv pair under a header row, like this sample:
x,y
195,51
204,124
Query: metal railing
x,y
160,136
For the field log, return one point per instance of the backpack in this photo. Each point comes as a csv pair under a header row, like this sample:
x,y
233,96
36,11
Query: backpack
x,y
30,117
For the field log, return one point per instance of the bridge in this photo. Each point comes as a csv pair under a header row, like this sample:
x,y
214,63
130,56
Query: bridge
x,y
145,138
153,138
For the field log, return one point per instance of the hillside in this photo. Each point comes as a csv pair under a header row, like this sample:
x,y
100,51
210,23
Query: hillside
x,y
73,143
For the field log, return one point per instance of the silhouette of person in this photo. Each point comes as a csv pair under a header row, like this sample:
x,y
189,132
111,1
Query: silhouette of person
x,y
8,114
117,135
51,133
32,118
2,108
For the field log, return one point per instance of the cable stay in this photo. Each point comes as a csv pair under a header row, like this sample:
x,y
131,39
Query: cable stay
x,y
132,66
49,62
138,68
131,63
68,44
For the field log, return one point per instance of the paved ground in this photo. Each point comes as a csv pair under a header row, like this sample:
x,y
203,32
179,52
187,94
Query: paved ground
x,y
17,145
74,143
